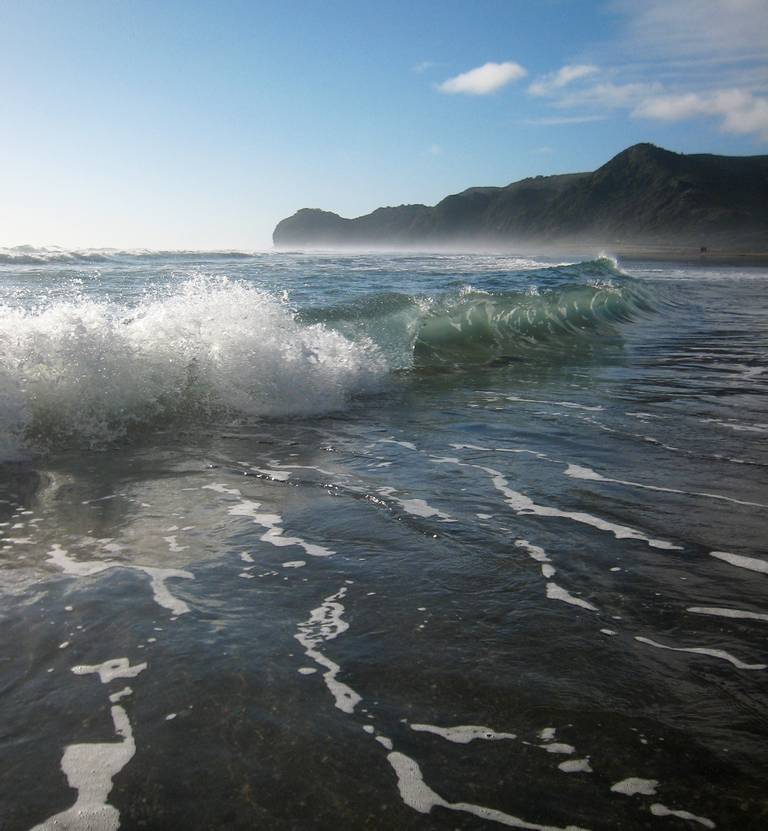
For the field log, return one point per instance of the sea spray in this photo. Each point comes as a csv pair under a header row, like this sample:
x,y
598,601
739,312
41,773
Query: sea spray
x,y
90,371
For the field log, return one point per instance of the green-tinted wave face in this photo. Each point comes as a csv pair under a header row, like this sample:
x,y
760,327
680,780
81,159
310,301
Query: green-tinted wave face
x,y
478,326
544,314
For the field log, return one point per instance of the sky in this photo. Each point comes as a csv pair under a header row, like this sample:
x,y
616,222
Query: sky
x,y
199,125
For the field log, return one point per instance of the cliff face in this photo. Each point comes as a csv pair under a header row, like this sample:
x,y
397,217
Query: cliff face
x,y
644,195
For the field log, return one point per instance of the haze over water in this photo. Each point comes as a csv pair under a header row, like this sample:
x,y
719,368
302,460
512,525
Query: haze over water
x,y
381,541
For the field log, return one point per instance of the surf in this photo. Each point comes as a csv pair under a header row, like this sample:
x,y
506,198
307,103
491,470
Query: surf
x,y
84,370
89,372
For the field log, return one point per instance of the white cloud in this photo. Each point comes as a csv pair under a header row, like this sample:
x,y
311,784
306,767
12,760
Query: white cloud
x,y
609,95
740,112
423,66
750,119
671,107
554,81
677,28
484,79
690,59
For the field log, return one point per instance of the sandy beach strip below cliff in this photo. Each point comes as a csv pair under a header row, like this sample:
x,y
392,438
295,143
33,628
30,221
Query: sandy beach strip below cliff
x,y
692,256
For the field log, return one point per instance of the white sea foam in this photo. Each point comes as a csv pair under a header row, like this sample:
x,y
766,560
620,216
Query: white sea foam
x,y
547,571
282,468
89,769
120,694
635,785
737,614
581,472
535,551
325,623
157,576
701,650
522,504
415,793
659,810
736,425
58,556
275,533
408,445
569,404
555,592
173,544
276,475
416,507
90,370
464,733
575,766
110,669
559,747
521,450
750,563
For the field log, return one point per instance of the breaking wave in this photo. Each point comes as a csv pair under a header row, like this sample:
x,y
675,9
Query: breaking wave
x,y
89,372
28,255
471,325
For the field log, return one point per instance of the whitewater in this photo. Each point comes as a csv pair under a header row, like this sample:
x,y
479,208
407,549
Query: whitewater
x,y
366,540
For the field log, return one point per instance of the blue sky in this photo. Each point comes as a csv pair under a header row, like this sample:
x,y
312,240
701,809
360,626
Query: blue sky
x,y
201,124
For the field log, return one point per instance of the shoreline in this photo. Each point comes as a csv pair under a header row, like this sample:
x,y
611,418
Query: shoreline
x,y
635,254
715,258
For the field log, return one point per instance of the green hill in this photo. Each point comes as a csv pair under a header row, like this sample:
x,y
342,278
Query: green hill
x,y
643,196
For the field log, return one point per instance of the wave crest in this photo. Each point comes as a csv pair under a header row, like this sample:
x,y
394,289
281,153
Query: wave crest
x,y
564,307
483,326
29,255
87,371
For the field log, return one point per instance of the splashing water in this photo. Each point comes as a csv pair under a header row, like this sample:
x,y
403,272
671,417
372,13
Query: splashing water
x,y
92,370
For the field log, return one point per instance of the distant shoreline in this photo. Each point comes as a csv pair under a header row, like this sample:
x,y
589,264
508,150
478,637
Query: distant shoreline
x,y
681,255
629,254
647,202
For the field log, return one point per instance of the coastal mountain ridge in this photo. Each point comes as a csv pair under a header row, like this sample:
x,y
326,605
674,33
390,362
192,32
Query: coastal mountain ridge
x,y
643,196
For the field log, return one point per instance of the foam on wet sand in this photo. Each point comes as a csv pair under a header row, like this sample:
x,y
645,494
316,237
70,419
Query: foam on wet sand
x,y
157,576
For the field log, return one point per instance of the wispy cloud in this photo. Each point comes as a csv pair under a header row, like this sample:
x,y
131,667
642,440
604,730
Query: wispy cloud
x,y
689,28
484,80
739,111
712,55
692,59
696,59
555,81
423,66
609,95
435,150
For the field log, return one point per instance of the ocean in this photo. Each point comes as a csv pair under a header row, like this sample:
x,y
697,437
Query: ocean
x,y
381,541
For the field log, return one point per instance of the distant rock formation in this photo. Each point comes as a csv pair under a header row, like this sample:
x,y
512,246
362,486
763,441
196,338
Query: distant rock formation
x,y
644,195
